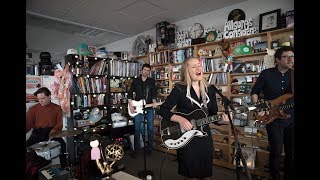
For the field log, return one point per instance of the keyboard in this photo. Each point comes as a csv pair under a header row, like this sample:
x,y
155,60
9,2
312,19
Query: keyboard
x,y
54,172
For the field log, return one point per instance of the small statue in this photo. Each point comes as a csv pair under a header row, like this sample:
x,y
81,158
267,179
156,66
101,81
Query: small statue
x,y
113,153
95,151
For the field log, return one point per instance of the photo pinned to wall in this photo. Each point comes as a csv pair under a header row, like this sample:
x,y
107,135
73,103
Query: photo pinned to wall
x,y
269,21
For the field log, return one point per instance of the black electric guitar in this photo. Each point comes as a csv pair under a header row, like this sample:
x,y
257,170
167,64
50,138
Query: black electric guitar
x,y
173,137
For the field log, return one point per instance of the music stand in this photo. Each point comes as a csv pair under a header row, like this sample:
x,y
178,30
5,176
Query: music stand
x,y
145,172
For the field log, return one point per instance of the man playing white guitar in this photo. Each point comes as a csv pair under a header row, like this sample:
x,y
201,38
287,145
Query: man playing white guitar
x,y
138,106
145,92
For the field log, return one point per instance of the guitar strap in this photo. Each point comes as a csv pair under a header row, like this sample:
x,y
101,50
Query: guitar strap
x,y
292,81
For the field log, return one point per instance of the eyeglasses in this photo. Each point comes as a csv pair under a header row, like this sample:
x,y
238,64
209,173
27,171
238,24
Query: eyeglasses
x,y
287,57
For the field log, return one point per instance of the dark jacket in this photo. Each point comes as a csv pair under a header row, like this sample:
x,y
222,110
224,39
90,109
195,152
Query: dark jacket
x,y
178,97
143,89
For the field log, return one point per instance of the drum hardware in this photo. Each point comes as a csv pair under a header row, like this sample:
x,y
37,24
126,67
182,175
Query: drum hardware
x,y
69,166
77,142
65,133
46,149
78,154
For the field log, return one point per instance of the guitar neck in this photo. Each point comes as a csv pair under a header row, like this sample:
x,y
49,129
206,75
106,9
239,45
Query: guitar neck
x,y
153,104
208,120
286,106
198,122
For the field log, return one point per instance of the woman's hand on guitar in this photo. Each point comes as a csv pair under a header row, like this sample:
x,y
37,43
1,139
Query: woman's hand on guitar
x,y
185,124
225,118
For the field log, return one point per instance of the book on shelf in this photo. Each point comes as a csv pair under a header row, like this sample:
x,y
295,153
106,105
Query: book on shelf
x,y
218,78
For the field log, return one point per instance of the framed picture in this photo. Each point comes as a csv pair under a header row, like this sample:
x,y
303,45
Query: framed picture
x,y
269,21
290,18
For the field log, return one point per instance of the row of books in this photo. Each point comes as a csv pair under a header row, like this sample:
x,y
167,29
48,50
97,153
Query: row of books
x,y
158,58
99,68
118,98
91,85
218,78
123,68
180,55
88,100
209,65
164,57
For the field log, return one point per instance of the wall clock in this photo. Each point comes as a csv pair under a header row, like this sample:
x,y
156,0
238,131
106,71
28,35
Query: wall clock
x,y
195,31
236,15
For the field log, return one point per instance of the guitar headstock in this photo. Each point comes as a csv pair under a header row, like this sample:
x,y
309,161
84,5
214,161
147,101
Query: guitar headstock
x,y
260,105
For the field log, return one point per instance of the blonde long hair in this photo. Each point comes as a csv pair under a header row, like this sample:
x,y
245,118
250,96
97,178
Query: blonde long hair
x,y
186,80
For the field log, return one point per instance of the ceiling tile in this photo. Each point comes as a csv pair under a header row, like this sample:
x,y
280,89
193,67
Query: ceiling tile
x,y
162,16
141,9
189,9
56,8
106,38
217,4
54,39
117,21
167,4
91,10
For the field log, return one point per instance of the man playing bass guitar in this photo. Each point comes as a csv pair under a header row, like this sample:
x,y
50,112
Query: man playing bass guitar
x,y
274,83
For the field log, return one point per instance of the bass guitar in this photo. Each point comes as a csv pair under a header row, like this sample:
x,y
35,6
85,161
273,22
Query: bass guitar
x,y
173,137
275,108
139,107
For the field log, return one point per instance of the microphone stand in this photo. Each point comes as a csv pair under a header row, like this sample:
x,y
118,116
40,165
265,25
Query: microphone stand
x,y
238,152
145,172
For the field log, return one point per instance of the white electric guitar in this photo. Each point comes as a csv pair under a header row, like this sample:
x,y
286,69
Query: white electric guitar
x,y
138,107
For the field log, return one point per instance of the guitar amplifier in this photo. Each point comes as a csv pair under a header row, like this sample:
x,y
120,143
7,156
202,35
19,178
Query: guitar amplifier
x,y
54,172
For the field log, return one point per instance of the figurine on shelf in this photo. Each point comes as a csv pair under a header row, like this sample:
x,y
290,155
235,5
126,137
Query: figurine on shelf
x,y
227,56
95,151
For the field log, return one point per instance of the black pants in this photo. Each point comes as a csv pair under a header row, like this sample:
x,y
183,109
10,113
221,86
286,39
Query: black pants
x,y
42,134
278,137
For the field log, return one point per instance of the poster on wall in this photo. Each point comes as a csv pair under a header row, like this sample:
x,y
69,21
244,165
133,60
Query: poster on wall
x,y
52,83
33,83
